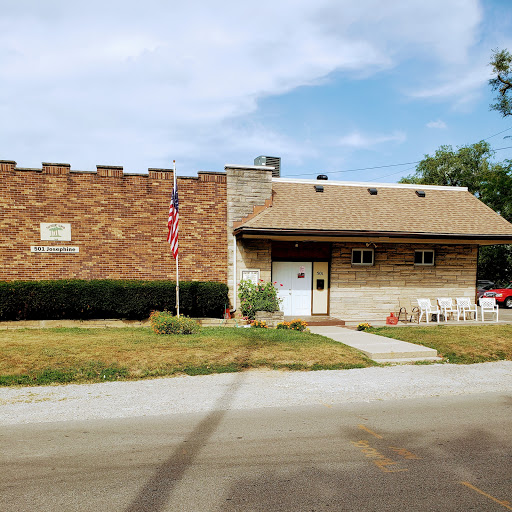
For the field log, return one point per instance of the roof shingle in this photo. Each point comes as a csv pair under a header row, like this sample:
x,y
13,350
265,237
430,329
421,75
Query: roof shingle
x,y
395,209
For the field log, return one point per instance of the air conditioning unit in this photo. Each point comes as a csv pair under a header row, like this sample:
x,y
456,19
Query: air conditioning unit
x,y
270,161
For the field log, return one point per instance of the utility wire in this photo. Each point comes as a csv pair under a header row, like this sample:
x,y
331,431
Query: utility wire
x,y
397,165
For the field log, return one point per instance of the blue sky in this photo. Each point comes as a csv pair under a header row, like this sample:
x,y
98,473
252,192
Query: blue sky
x,y
330,86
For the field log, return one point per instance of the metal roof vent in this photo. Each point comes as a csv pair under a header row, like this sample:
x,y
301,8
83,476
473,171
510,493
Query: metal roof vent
x,y
270,161
319,188
420,193
373,191
322,177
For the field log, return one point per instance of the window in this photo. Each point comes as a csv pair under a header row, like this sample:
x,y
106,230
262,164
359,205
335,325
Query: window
x,y
362,256
424,257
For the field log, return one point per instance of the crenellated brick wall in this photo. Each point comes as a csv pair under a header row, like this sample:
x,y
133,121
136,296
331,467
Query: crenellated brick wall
x,y
118,221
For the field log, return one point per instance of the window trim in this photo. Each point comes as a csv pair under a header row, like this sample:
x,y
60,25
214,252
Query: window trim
x,y
423,251
362,250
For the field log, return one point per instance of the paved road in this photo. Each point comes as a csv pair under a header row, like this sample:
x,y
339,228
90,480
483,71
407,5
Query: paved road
x,y
425,454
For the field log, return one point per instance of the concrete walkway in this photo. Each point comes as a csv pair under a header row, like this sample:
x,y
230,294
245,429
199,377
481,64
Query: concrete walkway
x,y
378,348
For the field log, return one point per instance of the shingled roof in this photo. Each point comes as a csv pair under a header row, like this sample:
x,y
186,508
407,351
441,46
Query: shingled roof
x,y
348,209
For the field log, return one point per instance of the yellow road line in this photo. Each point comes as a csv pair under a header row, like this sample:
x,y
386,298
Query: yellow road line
x,y
366,429
505,503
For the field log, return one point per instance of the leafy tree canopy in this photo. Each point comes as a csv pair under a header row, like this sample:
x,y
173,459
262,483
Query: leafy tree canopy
x,y
501,63
471,166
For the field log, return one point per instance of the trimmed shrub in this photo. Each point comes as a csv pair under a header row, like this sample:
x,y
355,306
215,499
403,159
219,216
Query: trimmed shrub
x,y
108,298
164,322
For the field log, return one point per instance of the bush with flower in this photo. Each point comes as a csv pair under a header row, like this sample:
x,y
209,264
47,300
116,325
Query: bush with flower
x,y
164,322
259,324
257,297
296,325
364,326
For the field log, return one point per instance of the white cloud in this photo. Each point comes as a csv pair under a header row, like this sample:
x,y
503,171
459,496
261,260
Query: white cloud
x,y
141,83
358,140
441,125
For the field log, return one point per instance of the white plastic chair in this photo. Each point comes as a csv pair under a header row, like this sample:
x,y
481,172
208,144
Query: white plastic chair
x,y
447,307
488,304
464,307
427,309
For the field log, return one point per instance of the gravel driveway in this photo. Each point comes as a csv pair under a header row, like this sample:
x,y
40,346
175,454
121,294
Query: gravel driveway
x,y
247,390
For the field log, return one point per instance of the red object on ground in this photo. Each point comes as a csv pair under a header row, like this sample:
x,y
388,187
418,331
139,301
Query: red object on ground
x,y
227,313
392,319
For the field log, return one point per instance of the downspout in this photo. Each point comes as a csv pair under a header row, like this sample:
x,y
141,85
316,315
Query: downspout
x,y
234,275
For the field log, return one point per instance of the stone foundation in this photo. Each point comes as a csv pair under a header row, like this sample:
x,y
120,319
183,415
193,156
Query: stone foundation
x,y
270,318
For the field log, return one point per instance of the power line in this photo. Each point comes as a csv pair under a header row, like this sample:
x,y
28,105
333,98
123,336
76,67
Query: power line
x,y
499,133
364,168
397,165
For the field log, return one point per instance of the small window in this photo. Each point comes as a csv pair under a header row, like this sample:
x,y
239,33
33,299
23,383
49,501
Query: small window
x,y
424,257
362,256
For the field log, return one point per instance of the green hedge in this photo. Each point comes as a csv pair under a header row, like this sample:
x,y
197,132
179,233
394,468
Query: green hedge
x,y
108,298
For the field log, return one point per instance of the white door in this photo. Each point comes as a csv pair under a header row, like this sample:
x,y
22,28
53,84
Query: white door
x,y
320,288
295,278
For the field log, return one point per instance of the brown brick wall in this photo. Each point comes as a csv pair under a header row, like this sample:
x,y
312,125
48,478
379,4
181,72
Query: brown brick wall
x,y
118,221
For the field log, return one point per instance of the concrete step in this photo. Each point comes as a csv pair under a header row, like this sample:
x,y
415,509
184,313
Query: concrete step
x,y
318,320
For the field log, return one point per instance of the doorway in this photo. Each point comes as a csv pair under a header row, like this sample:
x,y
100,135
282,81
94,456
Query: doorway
x,y
295,292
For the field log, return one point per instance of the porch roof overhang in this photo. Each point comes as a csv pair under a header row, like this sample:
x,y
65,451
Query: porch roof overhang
x,y
372,236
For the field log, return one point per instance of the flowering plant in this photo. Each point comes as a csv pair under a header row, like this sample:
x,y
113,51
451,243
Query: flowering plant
x,y
257,297
364,326
296,325
259,325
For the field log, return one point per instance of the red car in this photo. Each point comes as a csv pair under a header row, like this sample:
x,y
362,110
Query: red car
x,y
503,295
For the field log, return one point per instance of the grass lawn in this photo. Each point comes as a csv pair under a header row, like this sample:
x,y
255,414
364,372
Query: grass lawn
x,y
458,344
44,356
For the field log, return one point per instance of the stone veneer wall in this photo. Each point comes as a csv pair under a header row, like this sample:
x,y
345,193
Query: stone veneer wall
x,y
247,188
360,293
254,253
118,221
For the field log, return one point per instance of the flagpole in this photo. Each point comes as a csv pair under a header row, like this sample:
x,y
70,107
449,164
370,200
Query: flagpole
x,y
177,255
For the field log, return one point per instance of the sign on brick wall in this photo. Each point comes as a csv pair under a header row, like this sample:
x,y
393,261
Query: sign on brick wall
x,y
61,249
55,231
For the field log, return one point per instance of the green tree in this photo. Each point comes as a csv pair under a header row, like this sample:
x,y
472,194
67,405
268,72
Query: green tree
x,y
501,63
470,166
466,167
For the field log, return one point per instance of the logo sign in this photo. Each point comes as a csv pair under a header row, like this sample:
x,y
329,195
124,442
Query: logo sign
x,y
55,231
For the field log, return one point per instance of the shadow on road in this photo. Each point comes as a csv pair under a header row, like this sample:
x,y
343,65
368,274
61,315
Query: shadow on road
x,y
154,496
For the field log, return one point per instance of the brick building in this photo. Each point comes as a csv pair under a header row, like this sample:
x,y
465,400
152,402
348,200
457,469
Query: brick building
x,y
350,250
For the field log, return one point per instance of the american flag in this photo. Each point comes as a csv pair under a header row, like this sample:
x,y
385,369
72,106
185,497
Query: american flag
x,y
172,223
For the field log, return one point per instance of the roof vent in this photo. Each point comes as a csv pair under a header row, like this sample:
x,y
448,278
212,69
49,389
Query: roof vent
x,y
322,177
270,161
319,188
420,193
373,191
